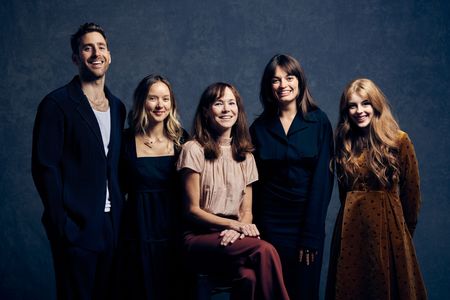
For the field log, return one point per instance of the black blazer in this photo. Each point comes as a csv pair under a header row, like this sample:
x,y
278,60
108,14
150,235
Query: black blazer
x,y
70,168
295,167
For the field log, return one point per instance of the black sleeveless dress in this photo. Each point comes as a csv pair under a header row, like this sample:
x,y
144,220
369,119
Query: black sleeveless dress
x,y
149,252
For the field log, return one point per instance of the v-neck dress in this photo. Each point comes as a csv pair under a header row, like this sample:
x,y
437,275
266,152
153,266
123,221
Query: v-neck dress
x,y
151,224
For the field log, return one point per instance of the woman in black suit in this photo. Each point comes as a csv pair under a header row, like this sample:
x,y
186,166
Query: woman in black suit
x,y
294,146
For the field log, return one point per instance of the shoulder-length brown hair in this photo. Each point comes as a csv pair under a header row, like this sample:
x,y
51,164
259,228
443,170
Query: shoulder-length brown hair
x,y
138,118
291,66
381,140
205,134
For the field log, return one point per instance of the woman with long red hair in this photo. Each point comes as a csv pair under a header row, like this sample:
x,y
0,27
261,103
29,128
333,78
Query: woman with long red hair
x,y
372,253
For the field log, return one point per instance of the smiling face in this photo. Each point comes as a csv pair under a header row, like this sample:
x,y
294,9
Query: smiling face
x,y
360,110
224,112
93,56
158,103
284,87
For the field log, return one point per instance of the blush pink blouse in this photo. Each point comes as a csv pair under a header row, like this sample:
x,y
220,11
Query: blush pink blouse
x,y
222,181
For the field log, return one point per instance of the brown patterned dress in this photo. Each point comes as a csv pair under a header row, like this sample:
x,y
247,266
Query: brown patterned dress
x,y
372,252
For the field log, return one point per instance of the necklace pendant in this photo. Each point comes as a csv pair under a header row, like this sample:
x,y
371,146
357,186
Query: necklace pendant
x,y
148,144
151,142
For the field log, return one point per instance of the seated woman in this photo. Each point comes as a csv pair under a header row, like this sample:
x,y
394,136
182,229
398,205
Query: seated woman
x,y
217,170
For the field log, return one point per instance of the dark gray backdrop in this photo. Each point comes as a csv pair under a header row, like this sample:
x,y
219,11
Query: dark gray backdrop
x,y
402,45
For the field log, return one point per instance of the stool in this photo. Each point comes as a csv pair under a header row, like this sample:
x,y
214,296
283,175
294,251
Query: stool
x,y
210,285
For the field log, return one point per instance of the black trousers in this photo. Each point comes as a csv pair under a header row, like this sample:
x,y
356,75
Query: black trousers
x,y
81,273
302,281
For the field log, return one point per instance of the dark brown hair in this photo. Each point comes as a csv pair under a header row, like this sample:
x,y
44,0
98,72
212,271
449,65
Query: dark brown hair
x,y
85,28
291,66
204,133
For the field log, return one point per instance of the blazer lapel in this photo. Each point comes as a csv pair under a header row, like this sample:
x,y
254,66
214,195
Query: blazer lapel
x,y
275,128
115,128
85,110
298,124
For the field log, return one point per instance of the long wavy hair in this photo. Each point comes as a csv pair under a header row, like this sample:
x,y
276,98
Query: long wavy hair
x,y
204,132
305,102
380,140
138,119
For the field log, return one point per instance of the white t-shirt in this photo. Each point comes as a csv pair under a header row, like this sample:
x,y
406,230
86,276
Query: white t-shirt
x,y
104,122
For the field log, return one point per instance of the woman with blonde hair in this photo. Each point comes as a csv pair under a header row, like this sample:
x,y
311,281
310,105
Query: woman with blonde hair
x,y
150,235
372,253
218,170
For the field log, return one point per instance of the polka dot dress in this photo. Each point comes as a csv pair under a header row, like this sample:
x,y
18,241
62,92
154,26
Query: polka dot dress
x,y
372,254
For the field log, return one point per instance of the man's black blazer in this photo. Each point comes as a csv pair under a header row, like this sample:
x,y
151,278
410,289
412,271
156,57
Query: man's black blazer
x,y
70,168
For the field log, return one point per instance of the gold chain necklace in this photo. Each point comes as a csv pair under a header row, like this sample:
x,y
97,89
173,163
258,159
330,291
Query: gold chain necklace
x,y
151,142
100,105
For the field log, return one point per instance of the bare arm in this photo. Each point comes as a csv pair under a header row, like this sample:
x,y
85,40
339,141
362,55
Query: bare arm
x,y
245,217
231,229
245,211
191,184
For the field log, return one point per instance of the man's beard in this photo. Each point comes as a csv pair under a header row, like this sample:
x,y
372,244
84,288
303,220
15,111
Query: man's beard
x,y
87,75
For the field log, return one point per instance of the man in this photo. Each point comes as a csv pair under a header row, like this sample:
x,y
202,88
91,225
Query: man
x,y
76,145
